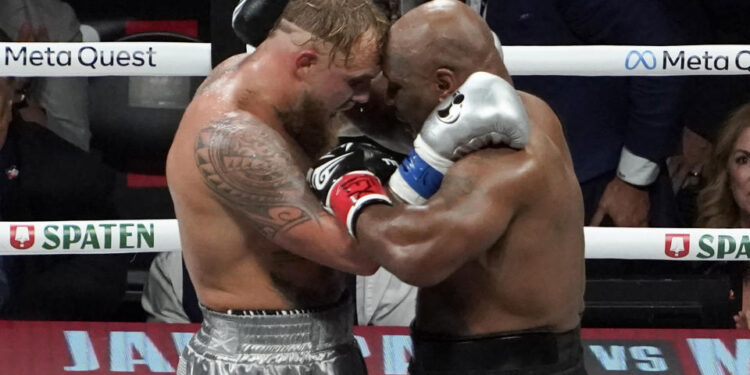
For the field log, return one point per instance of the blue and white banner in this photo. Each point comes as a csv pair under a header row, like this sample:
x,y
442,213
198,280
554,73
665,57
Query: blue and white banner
x,y
628,60
194,59
104,59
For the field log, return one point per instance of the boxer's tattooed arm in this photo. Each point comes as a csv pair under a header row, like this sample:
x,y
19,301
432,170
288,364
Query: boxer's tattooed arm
x,y
250,168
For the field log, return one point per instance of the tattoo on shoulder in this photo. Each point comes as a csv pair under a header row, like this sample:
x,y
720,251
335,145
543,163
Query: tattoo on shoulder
x,y
248,166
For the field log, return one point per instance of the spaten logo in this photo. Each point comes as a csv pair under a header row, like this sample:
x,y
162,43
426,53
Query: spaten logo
x,y
21,236
677,245
636,58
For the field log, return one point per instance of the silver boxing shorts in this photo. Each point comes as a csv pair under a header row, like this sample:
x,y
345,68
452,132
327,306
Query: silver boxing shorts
x,y
291,342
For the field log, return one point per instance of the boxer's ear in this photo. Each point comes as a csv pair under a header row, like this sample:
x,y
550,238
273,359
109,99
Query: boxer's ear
x,y
304,62
445,82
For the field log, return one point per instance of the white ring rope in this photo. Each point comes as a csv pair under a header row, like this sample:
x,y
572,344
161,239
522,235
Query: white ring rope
x,y
147,236
194,59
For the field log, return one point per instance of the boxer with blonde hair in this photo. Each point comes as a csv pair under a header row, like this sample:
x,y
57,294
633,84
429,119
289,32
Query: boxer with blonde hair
x,y
265,258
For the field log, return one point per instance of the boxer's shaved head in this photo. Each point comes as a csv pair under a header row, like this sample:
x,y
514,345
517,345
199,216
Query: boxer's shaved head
x,y
443,34
431,51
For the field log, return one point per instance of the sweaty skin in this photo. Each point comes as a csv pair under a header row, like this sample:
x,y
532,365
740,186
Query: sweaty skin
x,y
253,235
499,247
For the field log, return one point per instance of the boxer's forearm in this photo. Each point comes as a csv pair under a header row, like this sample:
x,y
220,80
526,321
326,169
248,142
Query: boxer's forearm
x,y
405,241
325,242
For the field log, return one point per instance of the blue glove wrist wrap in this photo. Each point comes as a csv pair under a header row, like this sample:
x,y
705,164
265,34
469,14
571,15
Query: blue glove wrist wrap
x,y
422,177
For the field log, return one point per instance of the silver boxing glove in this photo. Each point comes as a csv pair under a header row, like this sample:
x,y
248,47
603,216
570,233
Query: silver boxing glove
x,y
486,110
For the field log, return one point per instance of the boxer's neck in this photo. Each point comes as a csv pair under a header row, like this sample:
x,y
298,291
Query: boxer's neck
x,y
264,87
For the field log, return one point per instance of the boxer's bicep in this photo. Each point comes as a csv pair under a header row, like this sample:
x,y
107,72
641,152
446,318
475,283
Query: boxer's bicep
x,y
477,212
250,169
423,245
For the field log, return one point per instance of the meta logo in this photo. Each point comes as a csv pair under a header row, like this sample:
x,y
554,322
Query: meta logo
x,y
677,245
87,56
637,58
681,60
21,236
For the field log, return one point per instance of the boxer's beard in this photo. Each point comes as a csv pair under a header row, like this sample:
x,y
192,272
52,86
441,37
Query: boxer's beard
x,y
310,125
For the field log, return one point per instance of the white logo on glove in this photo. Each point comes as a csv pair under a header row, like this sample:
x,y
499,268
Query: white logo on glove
x,y
452,111
389,161
322,174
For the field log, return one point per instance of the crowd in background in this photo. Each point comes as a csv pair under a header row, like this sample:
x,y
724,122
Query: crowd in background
x,y
648,151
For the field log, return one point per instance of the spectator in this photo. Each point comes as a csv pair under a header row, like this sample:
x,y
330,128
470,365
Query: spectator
x,y
65,99
685,169
162,297
711,97
46,178
725,201
618,140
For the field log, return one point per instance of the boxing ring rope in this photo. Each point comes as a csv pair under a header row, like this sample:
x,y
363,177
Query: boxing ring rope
x,y
194,59
147,236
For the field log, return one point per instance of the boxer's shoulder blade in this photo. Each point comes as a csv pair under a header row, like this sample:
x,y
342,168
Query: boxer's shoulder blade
x,y
250,169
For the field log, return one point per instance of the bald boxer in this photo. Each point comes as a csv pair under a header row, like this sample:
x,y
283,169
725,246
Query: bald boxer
x,y
264,256
493,239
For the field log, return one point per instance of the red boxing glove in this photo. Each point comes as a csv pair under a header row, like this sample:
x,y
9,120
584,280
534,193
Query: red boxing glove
x,y
353,192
